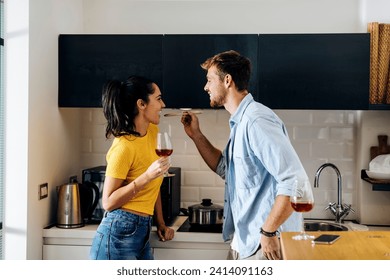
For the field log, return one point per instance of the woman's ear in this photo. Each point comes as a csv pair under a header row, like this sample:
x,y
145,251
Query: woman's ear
x,y
141,104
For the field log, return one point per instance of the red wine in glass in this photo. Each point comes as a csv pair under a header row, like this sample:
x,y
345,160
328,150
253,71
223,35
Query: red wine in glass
x,y
302,206
164,152
164,146
302,200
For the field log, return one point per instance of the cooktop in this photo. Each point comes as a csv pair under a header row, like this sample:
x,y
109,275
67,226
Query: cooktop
x,y
187,227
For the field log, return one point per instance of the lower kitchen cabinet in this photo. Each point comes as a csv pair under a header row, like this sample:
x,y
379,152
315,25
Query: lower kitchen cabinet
x,y
67,252
189,254
75,244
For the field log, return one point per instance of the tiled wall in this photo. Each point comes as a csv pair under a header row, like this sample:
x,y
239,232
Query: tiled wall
x,y
318,137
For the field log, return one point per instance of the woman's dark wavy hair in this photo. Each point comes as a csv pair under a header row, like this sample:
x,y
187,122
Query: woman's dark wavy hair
x,y
119,101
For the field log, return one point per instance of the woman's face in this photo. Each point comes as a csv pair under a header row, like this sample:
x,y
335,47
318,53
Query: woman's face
x,y
154,107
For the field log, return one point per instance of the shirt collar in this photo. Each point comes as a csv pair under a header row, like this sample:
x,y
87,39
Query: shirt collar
x,y
237,116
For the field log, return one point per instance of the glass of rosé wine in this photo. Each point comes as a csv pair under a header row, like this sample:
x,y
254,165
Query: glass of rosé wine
x,y
164,147
302,200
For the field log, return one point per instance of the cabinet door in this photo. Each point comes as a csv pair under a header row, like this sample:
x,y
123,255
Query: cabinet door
x,y
65,252
86,62
184,79
314,71
190,254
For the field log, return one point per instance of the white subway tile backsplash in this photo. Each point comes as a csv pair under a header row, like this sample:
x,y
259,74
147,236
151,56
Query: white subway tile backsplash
x,y
310,133
328,150
303,149
317,136
184,146
351,117
295,117
199,178
339,134
328,117
350,150
86,145
86,116
347,198
97,130
98,117
216,194
101,145
86,130
189,195
89,160
187,162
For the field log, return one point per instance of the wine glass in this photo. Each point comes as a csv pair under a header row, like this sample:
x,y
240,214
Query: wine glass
x,y
302,200
164,147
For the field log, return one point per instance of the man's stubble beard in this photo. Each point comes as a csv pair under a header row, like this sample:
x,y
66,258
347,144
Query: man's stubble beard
x,y
218,102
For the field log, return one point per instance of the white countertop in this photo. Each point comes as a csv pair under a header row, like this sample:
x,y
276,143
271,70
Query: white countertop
x,y
85,234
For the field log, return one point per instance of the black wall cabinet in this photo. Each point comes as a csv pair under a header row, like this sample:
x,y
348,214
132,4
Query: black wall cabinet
x,y
86,62
290,71
314,71
184,79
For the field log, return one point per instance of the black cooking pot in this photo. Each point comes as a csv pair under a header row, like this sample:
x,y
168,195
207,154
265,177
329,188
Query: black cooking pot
x,y
205,213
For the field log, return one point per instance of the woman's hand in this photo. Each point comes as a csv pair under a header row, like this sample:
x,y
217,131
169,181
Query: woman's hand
x,y
165,233
157,168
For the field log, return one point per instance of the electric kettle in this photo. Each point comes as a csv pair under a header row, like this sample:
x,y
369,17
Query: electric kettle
x,y
68,207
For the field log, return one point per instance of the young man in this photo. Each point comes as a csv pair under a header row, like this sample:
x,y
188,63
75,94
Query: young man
x,y
259,164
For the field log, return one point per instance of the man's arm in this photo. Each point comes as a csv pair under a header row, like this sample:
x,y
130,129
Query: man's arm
x,y
209,153
280,211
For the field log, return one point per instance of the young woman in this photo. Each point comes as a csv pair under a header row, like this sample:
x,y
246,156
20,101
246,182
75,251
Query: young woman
x,y
131,193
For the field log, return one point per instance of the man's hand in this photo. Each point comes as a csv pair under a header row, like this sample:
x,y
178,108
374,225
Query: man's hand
x,y
271,247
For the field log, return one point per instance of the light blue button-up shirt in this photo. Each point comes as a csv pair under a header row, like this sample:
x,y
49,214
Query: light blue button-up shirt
x,y
258,164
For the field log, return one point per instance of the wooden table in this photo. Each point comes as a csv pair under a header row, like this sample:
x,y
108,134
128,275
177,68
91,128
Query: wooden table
x,y
352,245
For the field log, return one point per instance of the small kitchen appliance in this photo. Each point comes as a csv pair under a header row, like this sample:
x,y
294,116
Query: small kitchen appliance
x,y
170,195
95,175
68,208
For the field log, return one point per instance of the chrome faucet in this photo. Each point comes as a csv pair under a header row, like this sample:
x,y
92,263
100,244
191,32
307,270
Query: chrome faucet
x,y
339,210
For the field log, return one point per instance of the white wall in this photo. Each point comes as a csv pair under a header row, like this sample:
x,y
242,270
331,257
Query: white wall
x,y
265,16
16,126
43,141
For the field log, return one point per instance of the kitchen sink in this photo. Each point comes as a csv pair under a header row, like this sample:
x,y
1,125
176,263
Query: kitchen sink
x,y
324,226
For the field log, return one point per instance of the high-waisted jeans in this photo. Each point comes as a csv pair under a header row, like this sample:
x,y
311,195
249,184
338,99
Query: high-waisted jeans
x,y
122,236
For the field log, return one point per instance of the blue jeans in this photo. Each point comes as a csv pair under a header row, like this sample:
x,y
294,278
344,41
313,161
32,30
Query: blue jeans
x,y
122,236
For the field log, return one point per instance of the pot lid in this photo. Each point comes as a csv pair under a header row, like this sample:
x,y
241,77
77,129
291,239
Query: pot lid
x,y
206,205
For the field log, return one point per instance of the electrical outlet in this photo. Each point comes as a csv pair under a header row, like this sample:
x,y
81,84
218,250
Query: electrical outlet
x,y
43,191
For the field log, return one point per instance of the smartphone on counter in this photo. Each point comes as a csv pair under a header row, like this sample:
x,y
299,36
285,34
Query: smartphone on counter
x,y
326,239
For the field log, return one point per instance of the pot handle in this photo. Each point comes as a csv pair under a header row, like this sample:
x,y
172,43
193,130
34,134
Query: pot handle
x,y
184,211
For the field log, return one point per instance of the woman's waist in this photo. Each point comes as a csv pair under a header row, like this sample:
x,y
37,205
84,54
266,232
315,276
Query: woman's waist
x,y
138,213
126,215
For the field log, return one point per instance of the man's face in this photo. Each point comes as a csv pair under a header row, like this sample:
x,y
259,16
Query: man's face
x,y
215,88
